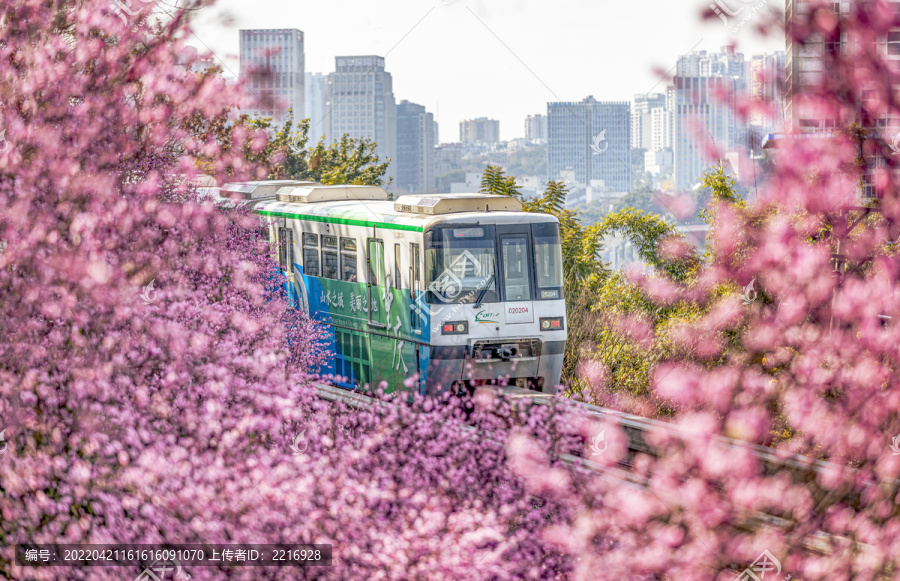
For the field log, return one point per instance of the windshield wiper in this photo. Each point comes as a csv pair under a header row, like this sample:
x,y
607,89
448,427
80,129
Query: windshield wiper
x,y
484,290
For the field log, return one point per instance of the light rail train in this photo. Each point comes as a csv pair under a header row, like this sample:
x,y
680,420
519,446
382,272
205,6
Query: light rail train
x,y
451,290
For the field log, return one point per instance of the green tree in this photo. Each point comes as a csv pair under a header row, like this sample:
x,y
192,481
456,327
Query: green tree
x,y
647,232
287,155
495,181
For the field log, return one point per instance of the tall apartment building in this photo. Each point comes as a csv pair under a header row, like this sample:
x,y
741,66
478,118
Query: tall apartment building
x,y
272,62
804,69
699,114
415,149
536,127
660,130
726,64
360,102
590,142
641,118
767,86
481,131
316,95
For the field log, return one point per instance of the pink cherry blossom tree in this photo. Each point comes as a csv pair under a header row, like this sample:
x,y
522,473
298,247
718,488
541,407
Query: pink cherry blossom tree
x,y
155,388
807,365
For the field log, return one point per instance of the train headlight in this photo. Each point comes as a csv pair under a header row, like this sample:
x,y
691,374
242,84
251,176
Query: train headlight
x,y
552,324
455,328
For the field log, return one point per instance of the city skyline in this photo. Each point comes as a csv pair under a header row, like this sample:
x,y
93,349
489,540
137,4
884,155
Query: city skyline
x,y
522,54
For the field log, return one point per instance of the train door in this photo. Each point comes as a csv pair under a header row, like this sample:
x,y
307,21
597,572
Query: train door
x,y
376,283
286,262
416,315
515,264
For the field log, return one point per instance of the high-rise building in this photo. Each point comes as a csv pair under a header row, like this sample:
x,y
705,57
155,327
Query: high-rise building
x,y
316,94
725,64
272,62
805,68
767,86
660,130
482,131
360,102
415,149
641,118
706,87
589,143
536,127
448,158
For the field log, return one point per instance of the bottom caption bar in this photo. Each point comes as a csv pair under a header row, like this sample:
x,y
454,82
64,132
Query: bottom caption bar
x,y
230,555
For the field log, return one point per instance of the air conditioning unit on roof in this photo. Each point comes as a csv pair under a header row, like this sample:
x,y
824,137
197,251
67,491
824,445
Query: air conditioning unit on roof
x,y
436,204
309,194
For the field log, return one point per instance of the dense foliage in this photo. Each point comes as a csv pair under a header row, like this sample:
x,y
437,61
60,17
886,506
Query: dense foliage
x,y
154,387
287,153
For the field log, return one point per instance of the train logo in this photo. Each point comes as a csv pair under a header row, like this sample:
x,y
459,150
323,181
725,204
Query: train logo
x,y
485,317
596,441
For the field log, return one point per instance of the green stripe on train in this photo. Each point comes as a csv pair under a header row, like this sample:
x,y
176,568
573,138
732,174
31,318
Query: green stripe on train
x,y
346,221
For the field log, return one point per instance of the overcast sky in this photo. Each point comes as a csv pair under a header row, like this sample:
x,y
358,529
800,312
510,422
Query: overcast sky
x,y
503,59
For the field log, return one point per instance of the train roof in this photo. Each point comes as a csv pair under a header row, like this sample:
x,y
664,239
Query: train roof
x,y
369,206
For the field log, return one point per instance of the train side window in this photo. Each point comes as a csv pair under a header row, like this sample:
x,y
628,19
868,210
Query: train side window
x,y
548,268
348,259
516,274
329,257
415,270
376,262
397,266
286,248
310,254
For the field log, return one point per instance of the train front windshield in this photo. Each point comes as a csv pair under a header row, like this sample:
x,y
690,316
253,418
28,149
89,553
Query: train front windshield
x,y
463,265
460,263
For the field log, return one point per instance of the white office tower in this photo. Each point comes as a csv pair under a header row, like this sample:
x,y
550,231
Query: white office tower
x,y
316,93
360,103
589,143
272,69
701,116
415,149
